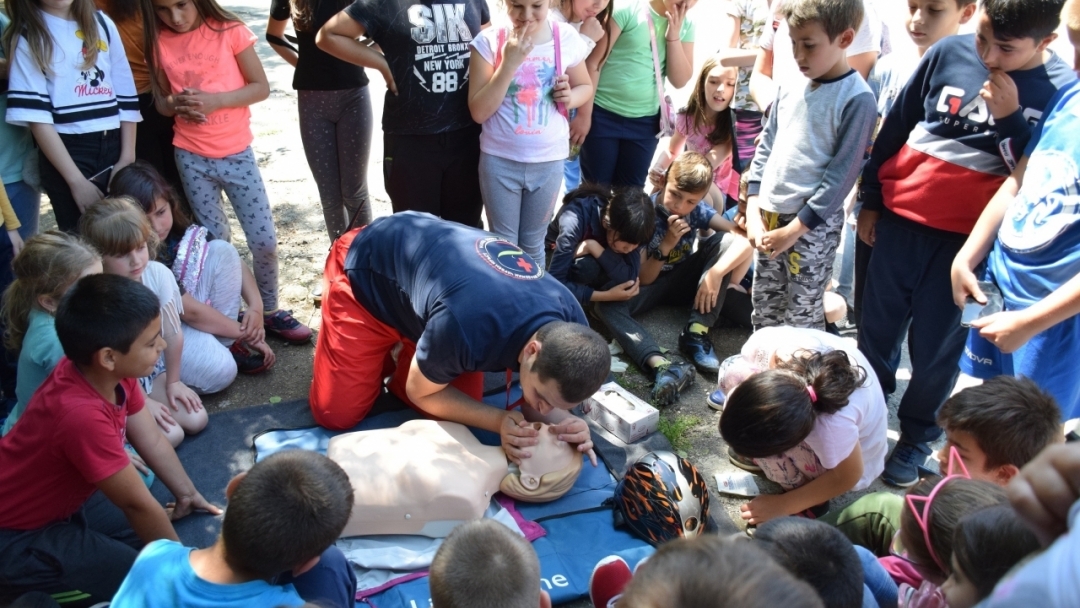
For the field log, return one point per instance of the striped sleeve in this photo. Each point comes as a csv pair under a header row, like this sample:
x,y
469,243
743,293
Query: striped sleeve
x,y
28,89
127,97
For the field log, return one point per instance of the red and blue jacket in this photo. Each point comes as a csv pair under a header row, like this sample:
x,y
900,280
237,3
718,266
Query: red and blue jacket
x,y
940,156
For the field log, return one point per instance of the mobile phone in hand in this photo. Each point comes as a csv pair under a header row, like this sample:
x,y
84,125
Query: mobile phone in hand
x,y
974,310
101,179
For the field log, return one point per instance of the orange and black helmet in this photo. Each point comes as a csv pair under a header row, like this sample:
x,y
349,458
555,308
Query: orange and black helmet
x,y
663,497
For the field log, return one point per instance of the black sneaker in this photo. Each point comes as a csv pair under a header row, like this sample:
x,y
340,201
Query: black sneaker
x,y
699,349
247,361
670,381
902,467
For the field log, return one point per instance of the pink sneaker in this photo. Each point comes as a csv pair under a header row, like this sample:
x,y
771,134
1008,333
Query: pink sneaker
x,y
608,580
283,324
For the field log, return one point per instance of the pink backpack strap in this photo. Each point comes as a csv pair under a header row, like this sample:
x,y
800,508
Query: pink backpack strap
x,y
664,111
560,106
501,41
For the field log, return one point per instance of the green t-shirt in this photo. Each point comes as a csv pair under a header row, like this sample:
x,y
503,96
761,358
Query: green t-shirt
x,y
627,85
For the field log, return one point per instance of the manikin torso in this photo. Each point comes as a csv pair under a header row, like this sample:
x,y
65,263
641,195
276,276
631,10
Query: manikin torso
x,y
425,477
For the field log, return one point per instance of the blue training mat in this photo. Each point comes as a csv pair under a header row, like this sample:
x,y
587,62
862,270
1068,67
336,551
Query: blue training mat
x,y
579,531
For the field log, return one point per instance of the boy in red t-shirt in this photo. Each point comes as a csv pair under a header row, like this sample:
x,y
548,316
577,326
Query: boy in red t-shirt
x,y
56,532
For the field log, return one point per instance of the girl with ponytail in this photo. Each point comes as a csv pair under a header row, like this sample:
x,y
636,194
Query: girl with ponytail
x,y
813,420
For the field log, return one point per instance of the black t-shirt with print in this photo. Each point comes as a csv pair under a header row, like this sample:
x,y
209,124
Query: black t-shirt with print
x,y
317,70
426,44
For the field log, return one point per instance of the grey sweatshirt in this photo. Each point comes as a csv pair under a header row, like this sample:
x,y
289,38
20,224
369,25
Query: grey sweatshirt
x,y
813,147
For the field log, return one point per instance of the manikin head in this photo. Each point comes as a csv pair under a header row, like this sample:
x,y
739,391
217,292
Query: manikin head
x,y
548,474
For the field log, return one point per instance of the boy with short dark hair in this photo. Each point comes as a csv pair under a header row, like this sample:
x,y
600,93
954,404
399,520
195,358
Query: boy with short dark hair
x,y
996,428
708,570
673,272
818,554
926,22
276,546
999,426
950,140
806,164
483,564
75,511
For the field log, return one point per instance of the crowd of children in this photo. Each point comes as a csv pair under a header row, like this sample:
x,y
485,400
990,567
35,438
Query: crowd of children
x,y
954,163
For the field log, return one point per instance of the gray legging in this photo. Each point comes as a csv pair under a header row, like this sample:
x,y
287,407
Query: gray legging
x,y
238,175
335,127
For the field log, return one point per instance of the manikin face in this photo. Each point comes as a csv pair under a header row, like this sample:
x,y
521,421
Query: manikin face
x,y
161,219
720,88
1007,55
548,456
178,15
130,265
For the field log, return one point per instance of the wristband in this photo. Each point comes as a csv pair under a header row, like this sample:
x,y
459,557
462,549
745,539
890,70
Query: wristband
x,y
654,253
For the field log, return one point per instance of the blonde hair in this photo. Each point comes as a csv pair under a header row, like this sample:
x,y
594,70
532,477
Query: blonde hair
x,y
27,20
691,172
117,226
47,265
1070,14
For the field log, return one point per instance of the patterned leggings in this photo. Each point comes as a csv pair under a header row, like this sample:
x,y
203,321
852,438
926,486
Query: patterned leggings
x,y
790,289
238,176
335,127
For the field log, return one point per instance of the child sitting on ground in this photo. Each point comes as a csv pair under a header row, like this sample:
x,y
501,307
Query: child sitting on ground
x,y
483,564
705,571
45,269
595,241
121,232
986,545
922,548
707,126
672,272
819,554
211,276
996,428
56,534
807,163
811,420
276,546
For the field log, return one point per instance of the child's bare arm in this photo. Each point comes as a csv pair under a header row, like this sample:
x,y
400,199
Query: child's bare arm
x,y
176,392
829,485
127,491
151,444
47,138
256,89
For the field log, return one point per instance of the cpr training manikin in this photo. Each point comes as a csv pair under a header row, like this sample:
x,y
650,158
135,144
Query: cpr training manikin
x,y
425,477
